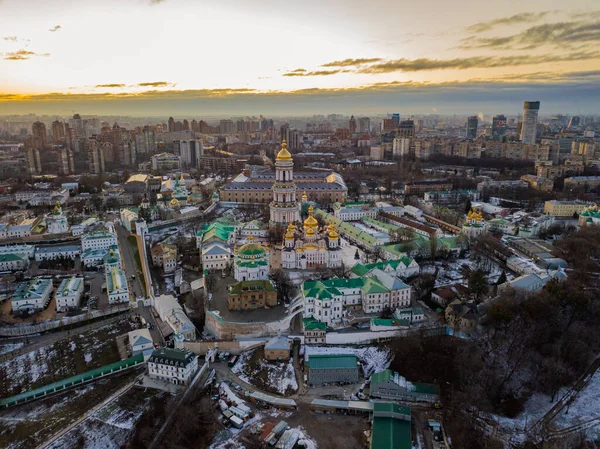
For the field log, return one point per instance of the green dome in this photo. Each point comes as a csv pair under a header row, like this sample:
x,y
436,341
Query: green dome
x,y
251,249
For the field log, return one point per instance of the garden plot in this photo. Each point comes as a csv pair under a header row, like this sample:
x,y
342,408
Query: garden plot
x,y
274,377
373,359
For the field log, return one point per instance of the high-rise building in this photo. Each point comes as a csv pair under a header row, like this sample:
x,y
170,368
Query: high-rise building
x,y
186,125
96,156
32,161
574,122
364,125
530,117
352,126
388,124
498,126
40,138
226,127
472,123
190,152
63,166
58,132
195,127
171,124
406,128
401,146
396,119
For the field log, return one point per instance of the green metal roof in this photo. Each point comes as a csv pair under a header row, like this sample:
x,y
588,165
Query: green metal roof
x,y
260,285
79,378
359,269
311,324
372,285
9,257
332,361
382,376
390,432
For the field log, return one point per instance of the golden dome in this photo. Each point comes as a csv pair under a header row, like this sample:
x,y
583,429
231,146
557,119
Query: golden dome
x,y
311,222
291,227
174,202
310,231
331,227
289,235
304,197
284,154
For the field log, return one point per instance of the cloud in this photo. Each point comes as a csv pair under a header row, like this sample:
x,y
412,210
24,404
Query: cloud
x,y
156,2
11,38
351,62
155,84
560,35
527,17
298,71
21,55
316,73
110,86
426,64
55,28
559,92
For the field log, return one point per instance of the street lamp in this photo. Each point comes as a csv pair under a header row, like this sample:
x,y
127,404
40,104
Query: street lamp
x,y
451,393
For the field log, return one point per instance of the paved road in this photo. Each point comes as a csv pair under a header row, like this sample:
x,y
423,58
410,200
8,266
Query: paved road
x,y
129,263
157,336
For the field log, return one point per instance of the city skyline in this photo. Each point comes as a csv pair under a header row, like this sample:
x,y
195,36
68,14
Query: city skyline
x,y
469,57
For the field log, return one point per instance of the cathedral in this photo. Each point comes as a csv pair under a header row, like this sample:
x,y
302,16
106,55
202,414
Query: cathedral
x,y
310,248
56,221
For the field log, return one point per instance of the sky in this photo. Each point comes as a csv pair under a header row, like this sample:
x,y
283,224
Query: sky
x,y
220,57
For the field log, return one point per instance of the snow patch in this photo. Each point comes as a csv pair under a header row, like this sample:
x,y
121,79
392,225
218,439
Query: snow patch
x,y
373,359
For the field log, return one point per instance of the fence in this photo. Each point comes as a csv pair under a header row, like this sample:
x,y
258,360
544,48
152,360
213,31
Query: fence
x,y
21,330
70,382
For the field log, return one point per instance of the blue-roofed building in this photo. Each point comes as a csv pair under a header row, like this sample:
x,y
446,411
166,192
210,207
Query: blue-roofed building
x,y
140,341
56,252
32,295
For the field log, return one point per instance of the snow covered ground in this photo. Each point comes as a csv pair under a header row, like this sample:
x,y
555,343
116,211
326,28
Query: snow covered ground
x,y
109,428
62,359
373,359
276,377
4,349
584,408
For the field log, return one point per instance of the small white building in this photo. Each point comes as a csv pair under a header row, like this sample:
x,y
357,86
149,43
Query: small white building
x,y
56,252
171,312
175,366
116,286
68,295
25,251
140,341
13,262
32,295
216,256
95,257
98,240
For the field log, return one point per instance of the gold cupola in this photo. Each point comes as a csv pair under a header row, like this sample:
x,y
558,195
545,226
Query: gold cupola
x,y
284,154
